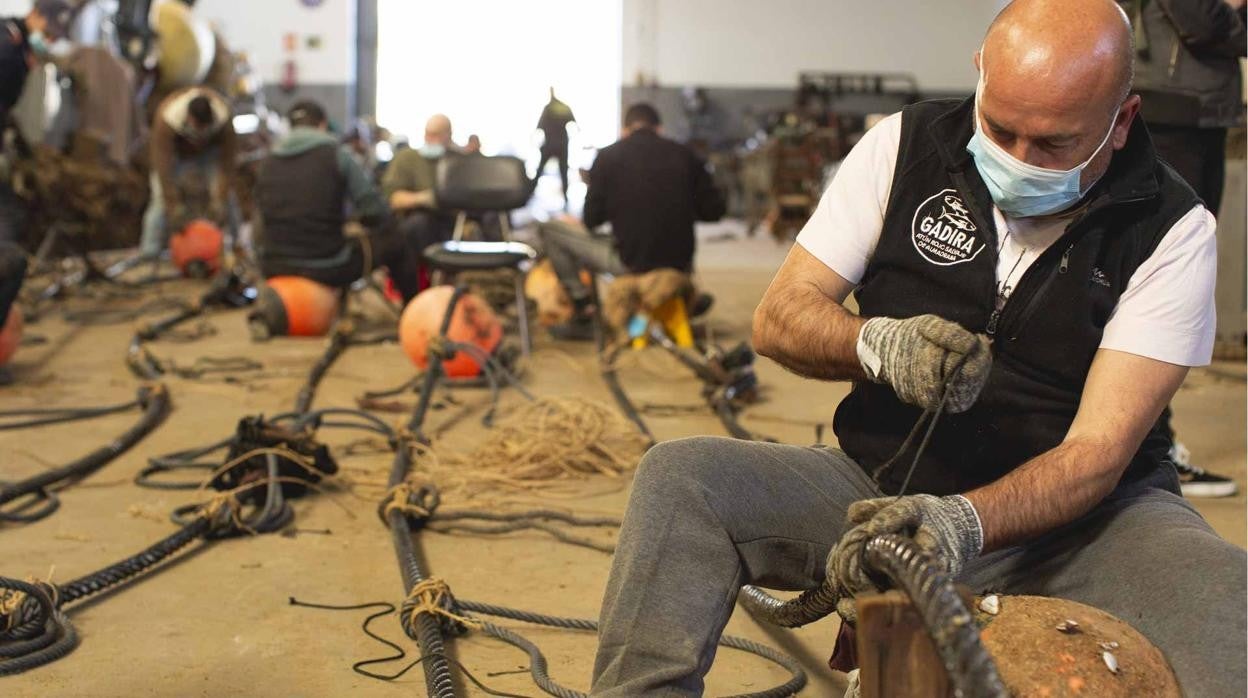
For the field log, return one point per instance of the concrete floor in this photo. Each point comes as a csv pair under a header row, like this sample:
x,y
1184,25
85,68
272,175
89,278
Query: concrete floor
x,y
218,622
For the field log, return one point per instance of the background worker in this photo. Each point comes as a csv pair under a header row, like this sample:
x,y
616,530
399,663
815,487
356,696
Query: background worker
x,y
408,187
23,40
651,190
192,137
1037,214
306,190
553,123
1187,72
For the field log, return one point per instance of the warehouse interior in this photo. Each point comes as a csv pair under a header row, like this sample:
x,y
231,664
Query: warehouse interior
x,y
623,347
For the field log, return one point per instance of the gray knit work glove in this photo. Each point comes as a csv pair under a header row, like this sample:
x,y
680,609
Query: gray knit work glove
x,y
947,528
916,356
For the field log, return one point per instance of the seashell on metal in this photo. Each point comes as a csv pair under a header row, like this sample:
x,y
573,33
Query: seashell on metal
x,y
990,604
1068,626
1111,662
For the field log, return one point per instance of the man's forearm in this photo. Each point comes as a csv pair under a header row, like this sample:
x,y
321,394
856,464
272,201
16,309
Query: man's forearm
x,y
808,333
403,200
1048,491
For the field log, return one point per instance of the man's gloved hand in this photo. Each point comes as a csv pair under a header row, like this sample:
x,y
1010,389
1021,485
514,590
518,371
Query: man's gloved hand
x,y
947,528
917,355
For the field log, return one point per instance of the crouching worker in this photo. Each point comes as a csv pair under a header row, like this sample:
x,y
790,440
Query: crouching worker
x,y
192,136
307,190
1024,265
651,190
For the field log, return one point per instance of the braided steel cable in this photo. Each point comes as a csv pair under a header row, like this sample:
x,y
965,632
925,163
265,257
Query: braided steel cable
x,y
538,666
37,630
426,629
338,343
155,401
42,634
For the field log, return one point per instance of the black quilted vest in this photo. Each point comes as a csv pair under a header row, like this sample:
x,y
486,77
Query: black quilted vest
x,y
938,254
301,199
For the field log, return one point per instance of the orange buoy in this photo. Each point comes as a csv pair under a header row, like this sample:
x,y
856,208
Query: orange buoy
x,y
196,250
472,323
11,334
294,306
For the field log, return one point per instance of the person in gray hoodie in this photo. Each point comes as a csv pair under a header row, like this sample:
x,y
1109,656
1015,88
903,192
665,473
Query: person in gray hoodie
x,y
307,190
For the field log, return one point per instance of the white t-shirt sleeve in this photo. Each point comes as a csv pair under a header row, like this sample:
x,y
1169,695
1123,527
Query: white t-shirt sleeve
x,y
1167,310
845,227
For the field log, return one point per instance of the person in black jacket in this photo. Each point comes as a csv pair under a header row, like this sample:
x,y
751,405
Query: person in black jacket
x,y
554,127
1187,74
651,190
306,191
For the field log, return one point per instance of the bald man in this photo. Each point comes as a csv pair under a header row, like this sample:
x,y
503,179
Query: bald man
x,y
408,186
1024,265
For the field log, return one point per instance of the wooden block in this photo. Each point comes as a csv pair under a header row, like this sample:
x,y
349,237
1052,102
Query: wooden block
x,y
896,657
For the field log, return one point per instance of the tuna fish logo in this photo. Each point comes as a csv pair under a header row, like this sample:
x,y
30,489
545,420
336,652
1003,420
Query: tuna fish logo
x,y
943,232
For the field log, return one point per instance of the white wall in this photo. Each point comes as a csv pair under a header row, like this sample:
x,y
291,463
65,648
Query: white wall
x,y
765,43
259,27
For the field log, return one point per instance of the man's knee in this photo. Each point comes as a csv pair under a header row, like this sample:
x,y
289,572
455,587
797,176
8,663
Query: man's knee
x,y
681,465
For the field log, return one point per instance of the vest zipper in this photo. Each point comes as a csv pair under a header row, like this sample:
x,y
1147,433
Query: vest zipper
x,y
1034,299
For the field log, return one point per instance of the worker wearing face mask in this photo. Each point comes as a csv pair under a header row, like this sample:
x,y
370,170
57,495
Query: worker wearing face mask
x,y
1026,268
192,141
408,186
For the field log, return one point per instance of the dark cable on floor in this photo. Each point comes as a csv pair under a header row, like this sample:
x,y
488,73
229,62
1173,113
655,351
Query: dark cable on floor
x,y
33,627
386,610
33,498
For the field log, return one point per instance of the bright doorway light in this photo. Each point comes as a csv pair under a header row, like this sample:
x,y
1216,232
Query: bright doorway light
x,y
488,65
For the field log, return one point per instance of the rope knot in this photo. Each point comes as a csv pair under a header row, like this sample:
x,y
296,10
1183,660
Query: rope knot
x,y
224,514
417,502
441,347
433,596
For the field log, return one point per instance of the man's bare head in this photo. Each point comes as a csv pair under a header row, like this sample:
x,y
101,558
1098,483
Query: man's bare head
x,y
438,130
1053,74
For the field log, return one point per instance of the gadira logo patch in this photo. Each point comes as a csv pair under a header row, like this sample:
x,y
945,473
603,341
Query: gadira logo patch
x,y
943,232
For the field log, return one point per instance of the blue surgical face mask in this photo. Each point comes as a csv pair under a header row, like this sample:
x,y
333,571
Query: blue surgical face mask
x,y
39,44
1021,190
432,151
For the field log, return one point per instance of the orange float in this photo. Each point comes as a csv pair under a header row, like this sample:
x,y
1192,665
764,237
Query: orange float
x,y
11,334
196,250
472,323
295,306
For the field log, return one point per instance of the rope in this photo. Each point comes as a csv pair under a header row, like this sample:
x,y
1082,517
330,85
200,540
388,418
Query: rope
x,y
432,596
417,503
538,663
446,521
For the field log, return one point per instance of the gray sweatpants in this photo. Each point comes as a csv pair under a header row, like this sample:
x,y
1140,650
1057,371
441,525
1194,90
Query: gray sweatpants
x,y
708,515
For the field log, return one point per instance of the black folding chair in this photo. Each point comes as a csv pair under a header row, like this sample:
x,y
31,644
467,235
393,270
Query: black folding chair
x,y
482,186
